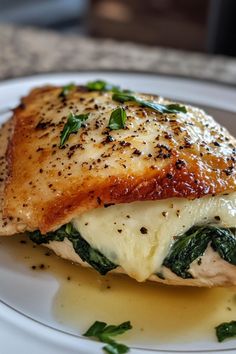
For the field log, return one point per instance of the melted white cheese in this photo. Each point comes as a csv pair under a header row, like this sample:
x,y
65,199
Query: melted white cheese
x,y
119,231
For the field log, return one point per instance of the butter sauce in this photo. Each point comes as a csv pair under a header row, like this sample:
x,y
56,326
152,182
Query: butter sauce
x,y
158,313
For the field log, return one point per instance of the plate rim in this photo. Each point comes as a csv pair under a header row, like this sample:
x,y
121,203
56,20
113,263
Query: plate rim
x,y
215,87
125,71
111,71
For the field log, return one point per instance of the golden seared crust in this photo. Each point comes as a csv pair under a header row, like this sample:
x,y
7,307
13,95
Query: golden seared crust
x,y
156,156
8,226
5,132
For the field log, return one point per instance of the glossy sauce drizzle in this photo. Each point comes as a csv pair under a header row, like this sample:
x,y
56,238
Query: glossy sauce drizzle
x,y
158,313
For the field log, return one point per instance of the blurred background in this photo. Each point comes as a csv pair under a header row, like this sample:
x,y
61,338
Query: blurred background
x,y
206,26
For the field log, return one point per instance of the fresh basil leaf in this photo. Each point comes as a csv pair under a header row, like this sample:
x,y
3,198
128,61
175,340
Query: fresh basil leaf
x,y
116,348
113,330
226,330
160,107
96,329
100,85
87,253
102,329
104,333
123,97
117,119
176,107
193,244
73,124
67,89
171,108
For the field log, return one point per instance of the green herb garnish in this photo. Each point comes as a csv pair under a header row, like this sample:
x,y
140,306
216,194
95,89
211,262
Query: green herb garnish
x,y
193,244
104,333
66,89
169,108
87,253
73,124
226,330
117,119
100,85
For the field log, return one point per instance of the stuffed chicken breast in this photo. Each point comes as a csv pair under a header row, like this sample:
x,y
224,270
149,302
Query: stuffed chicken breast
x,y
123,182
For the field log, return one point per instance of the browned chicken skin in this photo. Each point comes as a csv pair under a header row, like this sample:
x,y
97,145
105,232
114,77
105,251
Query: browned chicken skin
x,y
155,157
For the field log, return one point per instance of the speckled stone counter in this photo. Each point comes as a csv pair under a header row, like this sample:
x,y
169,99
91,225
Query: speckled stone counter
x,y
25,51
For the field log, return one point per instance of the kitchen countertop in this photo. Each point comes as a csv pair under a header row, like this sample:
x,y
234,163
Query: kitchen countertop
x,y
26,51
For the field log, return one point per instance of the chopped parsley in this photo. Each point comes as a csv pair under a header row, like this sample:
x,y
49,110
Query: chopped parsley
x,y
101,85
161,108
104,334
117,119
73,124
66,90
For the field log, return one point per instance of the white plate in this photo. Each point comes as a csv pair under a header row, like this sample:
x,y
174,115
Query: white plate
x,y
26,321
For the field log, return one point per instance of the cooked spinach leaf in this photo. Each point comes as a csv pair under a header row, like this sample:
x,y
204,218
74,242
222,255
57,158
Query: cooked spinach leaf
x,y
104,333
38,238
224,242
226,330
90,255
161,108
186,249
193,244
87,253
